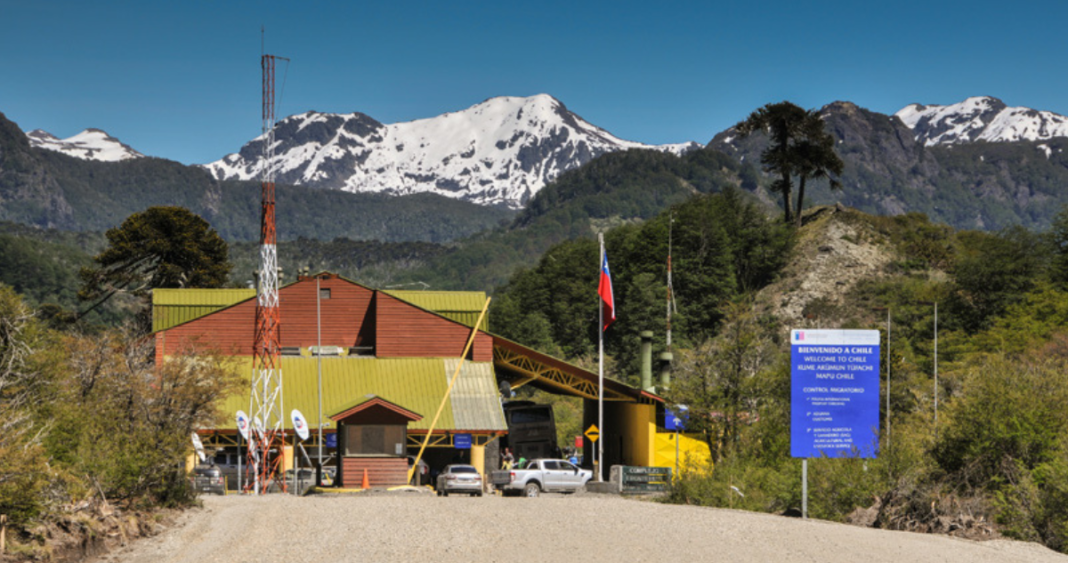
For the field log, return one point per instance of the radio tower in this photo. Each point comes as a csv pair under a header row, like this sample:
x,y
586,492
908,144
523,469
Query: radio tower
x,y
265,399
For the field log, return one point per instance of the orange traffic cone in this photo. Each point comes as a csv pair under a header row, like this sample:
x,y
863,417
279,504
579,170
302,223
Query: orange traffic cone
x,y
366,483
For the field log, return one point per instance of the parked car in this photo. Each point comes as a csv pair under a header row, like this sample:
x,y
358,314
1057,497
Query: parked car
x,y
459,479
549,475
208,479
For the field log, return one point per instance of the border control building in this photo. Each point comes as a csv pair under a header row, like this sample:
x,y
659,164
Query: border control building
x,y
386,360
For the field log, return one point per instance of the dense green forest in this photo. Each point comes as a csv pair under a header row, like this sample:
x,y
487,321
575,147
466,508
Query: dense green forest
x,y
723,247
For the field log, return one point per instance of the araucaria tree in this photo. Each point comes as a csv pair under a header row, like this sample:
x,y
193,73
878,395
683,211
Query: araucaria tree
x,y
157,247
798,147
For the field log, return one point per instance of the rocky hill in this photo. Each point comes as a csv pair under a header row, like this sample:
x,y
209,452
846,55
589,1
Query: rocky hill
x,y
835,250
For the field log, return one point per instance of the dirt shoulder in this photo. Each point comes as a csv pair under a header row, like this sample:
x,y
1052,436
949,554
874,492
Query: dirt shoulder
x,y
415,527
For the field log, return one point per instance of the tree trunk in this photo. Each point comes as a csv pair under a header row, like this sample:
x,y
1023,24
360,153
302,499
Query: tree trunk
x,y
800,198
785,187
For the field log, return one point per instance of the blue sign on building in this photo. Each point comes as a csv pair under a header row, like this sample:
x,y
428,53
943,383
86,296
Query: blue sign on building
x,y
834,379
461,441
331,440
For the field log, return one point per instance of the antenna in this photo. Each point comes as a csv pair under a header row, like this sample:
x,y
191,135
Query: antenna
x,y
670,290
265,450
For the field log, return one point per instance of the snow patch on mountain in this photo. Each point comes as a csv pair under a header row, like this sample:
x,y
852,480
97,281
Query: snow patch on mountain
x,y
499,152
91,144
980,118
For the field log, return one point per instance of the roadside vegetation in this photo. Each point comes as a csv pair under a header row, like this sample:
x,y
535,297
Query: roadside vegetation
x,y
996,462
90,426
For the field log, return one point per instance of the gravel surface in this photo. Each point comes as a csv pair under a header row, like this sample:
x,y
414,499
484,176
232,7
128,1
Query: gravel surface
x,y
422,528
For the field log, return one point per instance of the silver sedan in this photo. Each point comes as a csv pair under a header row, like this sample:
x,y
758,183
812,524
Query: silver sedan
x,y
459,479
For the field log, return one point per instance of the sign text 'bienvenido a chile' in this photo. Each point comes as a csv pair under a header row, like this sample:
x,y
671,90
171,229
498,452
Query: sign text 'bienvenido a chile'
x,y
834,393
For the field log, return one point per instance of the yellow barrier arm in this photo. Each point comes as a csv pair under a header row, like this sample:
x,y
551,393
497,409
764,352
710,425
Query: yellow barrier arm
x,y
441,407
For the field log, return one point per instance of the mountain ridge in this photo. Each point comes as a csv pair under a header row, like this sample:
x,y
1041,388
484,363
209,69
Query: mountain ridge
x,y
980,118
90,144
498,152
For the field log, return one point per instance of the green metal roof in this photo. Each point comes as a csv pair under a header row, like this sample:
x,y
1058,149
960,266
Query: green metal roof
x,y
172,307
460,306
470,301
417,384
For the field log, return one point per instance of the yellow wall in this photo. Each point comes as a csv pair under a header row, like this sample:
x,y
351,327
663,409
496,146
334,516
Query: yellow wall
x,y
287,458
638,426
694,455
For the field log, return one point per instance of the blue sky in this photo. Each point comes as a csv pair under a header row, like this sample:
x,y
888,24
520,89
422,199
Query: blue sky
x,y
181,80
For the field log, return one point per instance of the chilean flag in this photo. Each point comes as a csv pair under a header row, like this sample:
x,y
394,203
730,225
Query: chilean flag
x,y
604,289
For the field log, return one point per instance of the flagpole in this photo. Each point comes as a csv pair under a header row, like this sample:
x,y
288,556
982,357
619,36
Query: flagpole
x,y
600,369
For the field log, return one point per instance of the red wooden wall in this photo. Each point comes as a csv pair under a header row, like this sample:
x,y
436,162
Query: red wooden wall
x,y
381,471
347,320
405,331
353,316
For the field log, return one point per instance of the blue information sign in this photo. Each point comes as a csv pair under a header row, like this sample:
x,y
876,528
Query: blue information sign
x,y
461,441
676,419
834,380
331,440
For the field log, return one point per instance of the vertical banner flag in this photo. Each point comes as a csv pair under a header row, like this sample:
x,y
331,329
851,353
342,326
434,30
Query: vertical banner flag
x,y
299,424
604,289
242,424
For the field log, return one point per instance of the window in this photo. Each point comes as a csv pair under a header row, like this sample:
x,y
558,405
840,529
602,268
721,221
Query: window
x,y
531,415
549,465
324,293
374,439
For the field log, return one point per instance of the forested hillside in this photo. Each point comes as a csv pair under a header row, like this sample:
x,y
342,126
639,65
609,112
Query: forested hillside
x,y
994,463
617,188
724,247
52,190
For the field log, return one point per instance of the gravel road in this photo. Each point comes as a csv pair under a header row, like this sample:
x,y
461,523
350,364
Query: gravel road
x,y
421,528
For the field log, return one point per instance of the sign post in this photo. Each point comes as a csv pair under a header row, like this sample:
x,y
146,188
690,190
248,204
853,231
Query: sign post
x,y
593,433
834,407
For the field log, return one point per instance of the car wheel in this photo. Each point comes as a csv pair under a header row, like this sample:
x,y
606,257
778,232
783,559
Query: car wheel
x,y
478,494
531,490
444,493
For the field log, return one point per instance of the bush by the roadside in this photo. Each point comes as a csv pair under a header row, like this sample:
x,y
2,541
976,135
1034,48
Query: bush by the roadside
x,y
92,419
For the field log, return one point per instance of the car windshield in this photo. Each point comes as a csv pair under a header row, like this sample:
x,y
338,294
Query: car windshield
x,y
463,469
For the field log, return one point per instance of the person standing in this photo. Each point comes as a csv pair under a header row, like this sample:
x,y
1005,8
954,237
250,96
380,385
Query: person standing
x,y
507,459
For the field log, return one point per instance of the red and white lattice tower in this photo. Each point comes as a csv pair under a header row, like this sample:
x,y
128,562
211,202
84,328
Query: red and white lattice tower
x,y
267,439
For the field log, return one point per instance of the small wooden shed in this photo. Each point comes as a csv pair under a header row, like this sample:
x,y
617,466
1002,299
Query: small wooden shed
x,y
373,436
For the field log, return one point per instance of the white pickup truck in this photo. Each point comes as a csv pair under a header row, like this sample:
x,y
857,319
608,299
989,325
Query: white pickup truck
x,y
549,475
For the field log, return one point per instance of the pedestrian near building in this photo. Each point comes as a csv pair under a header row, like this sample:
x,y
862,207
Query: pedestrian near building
x,y
507,459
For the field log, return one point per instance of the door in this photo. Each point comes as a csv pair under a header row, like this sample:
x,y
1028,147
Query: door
x,y
570,477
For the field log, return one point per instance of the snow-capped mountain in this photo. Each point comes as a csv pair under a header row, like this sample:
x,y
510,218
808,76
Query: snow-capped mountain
x,y
91,144
499,152
981,119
